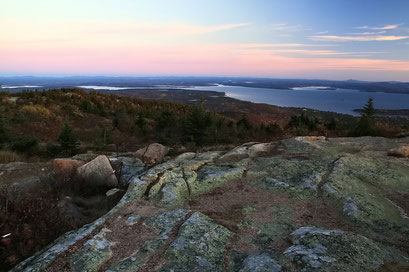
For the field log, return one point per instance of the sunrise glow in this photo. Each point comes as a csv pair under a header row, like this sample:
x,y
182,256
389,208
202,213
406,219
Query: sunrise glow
x,y
234,38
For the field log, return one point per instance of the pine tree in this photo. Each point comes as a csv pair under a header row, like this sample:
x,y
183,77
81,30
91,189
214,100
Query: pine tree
x,y
4,138
369,109
140,122
197,126
67,139
366,124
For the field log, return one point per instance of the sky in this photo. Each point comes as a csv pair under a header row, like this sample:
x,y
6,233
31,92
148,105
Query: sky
x,y
318,39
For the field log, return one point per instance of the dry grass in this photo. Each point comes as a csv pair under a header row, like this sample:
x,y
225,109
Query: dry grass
x,y
7,156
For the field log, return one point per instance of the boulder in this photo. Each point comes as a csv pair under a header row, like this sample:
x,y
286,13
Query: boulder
x,y
152,154
66,166
98,172
402,151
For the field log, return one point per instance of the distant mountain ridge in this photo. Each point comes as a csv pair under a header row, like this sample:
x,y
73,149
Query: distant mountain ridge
x,y
72,81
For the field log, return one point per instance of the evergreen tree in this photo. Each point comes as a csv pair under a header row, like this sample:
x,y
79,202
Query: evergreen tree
x,y
332,124
4,138
303,124
366,124
140,122
197,126
166,127
67,139
244,123
369,109
25,143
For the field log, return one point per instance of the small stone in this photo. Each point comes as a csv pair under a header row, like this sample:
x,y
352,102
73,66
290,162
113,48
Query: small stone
x,y
133,218
114,192
402,151
300,233
350,208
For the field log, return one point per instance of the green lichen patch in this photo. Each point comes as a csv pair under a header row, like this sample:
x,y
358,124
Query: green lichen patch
x,y
316,249
209,177
164,222
248,209
173,192
127,265
260,263
93,254
362,181
199,246
280,227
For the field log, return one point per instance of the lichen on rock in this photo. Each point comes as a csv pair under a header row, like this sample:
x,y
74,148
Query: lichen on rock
x,y
94,252
307,203
199,246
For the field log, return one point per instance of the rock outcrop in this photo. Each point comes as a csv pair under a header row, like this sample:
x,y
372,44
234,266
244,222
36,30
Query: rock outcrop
x,y
302,204
152,154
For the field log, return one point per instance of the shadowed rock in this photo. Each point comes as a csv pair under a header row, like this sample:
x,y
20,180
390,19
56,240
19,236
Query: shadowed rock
x,y
98,172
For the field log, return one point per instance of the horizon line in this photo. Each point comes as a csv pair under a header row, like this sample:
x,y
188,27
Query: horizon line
x,y
186,76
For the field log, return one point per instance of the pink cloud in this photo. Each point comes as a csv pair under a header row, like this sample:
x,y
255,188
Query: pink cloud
x,y
357,38
185,60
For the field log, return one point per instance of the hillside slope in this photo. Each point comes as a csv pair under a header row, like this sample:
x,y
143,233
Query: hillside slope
x,y
32,121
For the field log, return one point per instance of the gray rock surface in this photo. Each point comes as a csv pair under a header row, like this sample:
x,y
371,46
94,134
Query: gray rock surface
x,y
260,263
301,204
199,246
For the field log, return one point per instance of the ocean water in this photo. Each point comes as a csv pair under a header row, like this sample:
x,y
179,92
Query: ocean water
x,y
105,88
22,86
314,97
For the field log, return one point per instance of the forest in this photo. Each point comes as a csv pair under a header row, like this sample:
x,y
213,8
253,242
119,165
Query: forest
x,y
63,122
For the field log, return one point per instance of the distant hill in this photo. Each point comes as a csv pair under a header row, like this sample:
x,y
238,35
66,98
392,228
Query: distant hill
x,y
72,81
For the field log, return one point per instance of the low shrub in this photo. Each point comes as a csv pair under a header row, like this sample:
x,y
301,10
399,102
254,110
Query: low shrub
x,y
37,217
36,111
7,156
25,143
